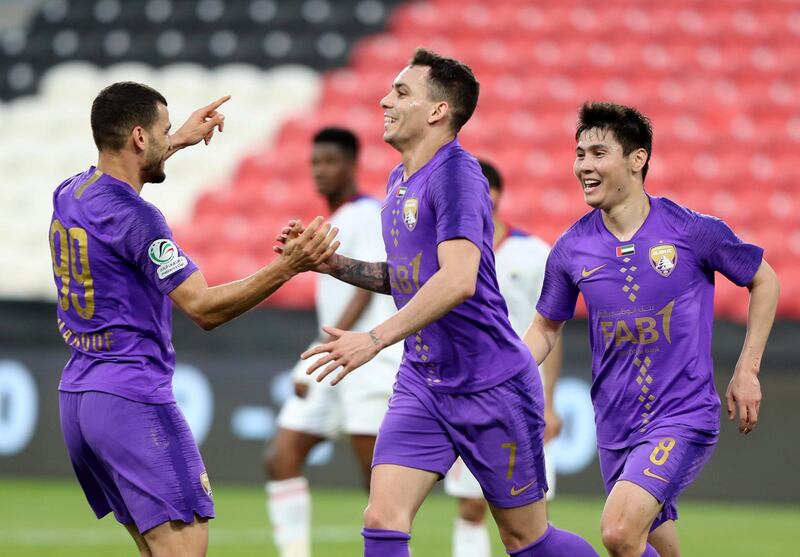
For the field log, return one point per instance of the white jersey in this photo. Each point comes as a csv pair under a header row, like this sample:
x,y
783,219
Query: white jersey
x,y
356,406
520,260
359,224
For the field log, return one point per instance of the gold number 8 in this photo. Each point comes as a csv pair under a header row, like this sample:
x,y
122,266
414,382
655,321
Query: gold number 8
x,y
661,453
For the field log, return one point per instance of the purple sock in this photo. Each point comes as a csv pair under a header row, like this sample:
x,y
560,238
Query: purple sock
x,y
385,543
650,551
557,543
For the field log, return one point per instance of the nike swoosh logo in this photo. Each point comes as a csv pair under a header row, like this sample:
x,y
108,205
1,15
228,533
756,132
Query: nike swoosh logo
x,y
649,474
585,273
515,491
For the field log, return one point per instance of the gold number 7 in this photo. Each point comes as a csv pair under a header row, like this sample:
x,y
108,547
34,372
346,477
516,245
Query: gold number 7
x,y
511,457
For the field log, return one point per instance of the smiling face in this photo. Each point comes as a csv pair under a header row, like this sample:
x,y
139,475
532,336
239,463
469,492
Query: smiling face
x,y
408,109
607,176
158,145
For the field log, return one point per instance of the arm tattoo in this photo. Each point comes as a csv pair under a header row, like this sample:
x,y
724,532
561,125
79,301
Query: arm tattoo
x,y
369,276
373,336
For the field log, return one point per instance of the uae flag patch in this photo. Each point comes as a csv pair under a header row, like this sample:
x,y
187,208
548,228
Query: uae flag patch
x,y
401,191
627,249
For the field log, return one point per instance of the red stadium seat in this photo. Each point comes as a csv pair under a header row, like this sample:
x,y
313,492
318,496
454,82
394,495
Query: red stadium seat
x,y
719,81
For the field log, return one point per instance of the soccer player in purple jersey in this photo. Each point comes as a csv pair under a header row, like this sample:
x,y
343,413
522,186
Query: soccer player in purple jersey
x,y
116,267
467,385
645,266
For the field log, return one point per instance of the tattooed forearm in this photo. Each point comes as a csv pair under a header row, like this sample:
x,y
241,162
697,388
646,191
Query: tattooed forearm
x,y
369,276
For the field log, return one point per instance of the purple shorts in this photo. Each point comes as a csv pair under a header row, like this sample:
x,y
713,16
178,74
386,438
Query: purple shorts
x,y
663,462
498,433
135,459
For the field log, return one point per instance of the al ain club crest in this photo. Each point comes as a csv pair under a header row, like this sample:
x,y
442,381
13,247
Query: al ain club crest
x,y
663,258
410,210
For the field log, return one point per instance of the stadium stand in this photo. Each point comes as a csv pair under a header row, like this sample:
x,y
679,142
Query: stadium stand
x,y
720,83
268,53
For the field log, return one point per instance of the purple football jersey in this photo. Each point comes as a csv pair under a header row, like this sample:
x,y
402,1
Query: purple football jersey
x,y
114,263
472,347
651,310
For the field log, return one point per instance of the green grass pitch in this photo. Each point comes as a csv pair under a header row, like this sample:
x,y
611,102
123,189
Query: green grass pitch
x,y
50,517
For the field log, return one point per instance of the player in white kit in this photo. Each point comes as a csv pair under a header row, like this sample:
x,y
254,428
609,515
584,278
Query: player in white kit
x,y
519,260
316,412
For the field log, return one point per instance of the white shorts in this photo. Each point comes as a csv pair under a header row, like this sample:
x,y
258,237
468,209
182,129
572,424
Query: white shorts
x,y
354,407
459,481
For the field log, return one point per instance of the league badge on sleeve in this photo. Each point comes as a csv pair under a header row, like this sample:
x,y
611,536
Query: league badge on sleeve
x,y
663,258
164,253
410,210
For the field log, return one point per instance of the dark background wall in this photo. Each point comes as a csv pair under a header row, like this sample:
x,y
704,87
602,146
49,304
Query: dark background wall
x,y
231,383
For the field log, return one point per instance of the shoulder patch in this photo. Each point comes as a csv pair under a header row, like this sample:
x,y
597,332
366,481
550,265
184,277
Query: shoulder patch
x,y
164,253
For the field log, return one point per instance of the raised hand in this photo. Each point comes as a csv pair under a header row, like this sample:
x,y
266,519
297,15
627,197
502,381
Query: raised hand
x,y
306,250
200,125
293,229
349,350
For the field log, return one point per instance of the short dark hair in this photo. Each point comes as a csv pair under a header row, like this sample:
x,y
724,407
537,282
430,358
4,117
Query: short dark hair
x,y
631,128
345,139
119,108
492,174
451,81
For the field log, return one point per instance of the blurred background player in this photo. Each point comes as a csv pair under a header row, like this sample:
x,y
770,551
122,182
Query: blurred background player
x,y
467,385
519,261
645,267
116,267
316,412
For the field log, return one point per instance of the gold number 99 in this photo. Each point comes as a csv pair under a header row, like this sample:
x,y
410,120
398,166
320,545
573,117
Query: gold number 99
x,y
68,249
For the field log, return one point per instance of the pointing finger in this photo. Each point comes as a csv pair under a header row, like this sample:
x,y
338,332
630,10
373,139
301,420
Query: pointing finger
x,y
217,103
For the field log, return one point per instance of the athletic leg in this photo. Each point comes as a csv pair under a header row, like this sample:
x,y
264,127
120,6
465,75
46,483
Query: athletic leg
x,y
288,497
287,453
364,447
412,452
396,493
470,533
508,461
526,533
154,477
665,539
303,423
644,483
176,538
141,543
628,514
520,526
